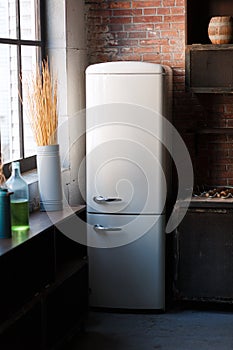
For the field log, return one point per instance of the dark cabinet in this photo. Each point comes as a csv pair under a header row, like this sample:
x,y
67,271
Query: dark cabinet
x,y
66,307
204,256
44,289
25,332
208,67
24,271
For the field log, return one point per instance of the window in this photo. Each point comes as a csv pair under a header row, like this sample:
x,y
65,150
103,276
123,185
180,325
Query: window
x,y
21,49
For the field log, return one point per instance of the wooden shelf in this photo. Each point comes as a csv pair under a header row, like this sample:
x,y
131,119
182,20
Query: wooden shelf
x,y
215,131
212,131
208,67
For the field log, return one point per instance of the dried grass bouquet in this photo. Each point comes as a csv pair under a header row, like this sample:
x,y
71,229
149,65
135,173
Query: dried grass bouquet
x,y
42,105
2,176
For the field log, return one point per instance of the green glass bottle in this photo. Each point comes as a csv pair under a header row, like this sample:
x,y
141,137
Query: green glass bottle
x,y
19,199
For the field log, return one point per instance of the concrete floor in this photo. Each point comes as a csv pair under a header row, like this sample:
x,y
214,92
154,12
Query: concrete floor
x,y
176,329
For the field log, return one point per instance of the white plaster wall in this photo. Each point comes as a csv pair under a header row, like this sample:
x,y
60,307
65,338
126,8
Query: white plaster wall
x,y
66,47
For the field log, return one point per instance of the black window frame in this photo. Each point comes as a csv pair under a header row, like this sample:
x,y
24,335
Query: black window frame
x,y
27,163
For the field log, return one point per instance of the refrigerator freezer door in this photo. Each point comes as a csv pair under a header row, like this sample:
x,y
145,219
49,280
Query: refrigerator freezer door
x,y
125,85
131,276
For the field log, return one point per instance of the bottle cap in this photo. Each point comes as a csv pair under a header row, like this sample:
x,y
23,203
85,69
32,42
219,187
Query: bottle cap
x,y
15,165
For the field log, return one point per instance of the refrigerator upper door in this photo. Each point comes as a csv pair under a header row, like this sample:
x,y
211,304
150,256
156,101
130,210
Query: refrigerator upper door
x,y
139,88
126,67
126,132
125,161
125,177
132,275
139,83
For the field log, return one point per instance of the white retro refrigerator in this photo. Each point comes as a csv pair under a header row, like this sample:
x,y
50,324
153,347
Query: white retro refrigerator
x,y
126,171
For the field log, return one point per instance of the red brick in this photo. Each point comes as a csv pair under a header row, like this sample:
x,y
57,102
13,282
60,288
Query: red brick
x,y
146,49
178,43
154,34
100,13
180,3
145,4
166,58
153,42
99,5
115,27
168,48
120,4
178,78
177,10
225,145
127,42
138,35
228,108
168,3
178,71
178,56
120,13
150,11
169,33
230,166
180,26
127,50
143,19
139,27
132,57
120,20
150,57
98,29
174,18
162,26
164,11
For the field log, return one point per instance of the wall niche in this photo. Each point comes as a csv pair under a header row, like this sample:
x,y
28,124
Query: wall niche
x,y
209,67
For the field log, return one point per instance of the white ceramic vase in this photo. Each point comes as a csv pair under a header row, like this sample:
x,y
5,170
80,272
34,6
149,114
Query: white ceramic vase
x,y
49,177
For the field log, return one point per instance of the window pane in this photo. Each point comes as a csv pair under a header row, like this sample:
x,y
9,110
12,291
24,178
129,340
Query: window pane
x,y
30,57
29,19
19,19
9,111
8,19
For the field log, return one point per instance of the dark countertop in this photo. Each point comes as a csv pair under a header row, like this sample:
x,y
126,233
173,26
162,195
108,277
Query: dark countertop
x,y
214,203
39,222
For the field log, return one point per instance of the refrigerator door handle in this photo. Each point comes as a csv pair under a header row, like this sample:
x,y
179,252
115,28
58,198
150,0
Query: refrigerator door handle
x,y
100,228
101,199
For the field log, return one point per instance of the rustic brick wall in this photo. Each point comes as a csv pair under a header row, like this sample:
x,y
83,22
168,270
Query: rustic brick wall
x,y
214,151
154,31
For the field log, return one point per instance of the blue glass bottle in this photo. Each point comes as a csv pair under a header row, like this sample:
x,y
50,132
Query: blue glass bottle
x,y
5,213
19,199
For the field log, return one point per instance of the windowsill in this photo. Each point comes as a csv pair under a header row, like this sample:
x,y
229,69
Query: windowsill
x,y
31,177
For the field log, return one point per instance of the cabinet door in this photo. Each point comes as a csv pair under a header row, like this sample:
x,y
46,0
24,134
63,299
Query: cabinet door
x,y
66,307
205,260
209,68
24,271
69,253
25,333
